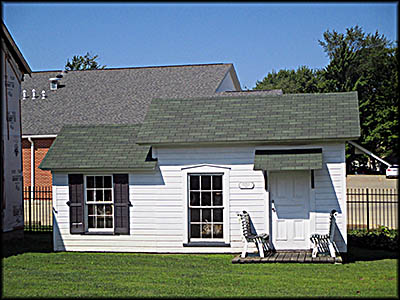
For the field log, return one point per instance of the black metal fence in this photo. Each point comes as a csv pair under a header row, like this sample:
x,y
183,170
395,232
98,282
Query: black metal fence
x,y
369,208
38,208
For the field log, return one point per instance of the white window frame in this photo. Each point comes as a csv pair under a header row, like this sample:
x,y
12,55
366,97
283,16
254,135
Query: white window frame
x,y
94,202
206,170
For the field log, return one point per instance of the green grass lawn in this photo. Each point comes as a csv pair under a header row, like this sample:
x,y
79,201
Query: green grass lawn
x,y
30,269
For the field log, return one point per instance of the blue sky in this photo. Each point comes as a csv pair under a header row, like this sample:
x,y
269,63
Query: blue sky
x,y
257,37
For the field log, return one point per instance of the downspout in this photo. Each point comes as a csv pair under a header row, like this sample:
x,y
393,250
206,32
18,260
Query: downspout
x,y
30,137
32,162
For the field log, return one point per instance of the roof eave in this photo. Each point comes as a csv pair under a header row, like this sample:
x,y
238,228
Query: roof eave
x,y
235,78
84,170
14,48
278,141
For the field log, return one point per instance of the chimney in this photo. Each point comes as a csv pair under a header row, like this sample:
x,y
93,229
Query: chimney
x,y
54,83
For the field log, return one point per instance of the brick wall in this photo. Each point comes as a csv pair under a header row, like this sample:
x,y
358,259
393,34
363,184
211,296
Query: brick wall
x,y
42,178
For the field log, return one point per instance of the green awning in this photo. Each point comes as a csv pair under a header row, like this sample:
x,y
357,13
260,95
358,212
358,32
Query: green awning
x,y
293,159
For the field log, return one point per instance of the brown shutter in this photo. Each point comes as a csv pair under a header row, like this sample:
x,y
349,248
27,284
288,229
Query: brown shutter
x,y
121,203
76,203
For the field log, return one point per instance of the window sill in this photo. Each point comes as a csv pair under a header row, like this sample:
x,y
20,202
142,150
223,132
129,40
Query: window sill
x,y
206,244
100,233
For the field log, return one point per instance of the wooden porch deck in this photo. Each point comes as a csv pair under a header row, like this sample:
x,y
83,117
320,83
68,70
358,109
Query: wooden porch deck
x,y
287,257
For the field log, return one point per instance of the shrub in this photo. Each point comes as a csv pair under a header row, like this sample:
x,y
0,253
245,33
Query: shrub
x,y
380,238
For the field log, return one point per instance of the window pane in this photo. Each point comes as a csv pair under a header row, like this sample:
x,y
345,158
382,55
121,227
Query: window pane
x,y
100,210
99,181
217,231
205,182
217,198
206,199
195,198
109,222
100,222
217,182
206,191
91,222
107,195
194,215
90,181
99,189
90,195
194,182
195,231
206,231
217,215
108,210
99,195
206,215
90,210
107,181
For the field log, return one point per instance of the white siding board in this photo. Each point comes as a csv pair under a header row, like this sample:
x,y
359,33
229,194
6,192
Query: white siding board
x,y
329,190
157,214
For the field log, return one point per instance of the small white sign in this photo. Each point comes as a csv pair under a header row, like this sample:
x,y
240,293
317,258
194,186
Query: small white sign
x,y
246,185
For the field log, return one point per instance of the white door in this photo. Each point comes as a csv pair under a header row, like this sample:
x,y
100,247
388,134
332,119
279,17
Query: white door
x,y
290,209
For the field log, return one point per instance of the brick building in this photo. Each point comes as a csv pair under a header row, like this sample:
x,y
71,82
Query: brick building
x,y
41,146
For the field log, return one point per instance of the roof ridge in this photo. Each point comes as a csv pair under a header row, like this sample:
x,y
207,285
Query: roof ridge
x,y
100,125
141,67
219,96
250,91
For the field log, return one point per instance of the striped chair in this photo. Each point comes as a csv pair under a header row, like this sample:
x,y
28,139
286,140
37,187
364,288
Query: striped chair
x,y
261,240
324,242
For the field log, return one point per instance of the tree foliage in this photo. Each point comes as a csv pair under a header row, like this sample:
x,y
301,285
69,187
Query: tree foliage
x,y
302,80
366,63
86,62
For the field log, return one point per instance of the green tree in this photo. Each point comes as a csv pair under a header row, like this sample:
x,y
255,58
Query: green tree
x,y
366,63
87,62
302,80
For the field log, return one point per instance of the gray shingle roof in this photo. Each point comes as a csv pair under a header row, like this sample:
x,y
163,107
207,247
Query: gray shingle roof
x,y
112,96
269,118
97,147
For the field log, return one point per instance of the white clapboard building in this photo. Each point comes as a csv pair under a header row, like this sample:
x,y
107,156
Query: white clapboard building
x,y
175,182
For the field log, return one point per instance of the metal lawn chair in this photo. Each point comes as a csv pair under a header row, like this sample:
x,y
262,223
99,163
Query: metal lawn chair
x,y
323,242
261,240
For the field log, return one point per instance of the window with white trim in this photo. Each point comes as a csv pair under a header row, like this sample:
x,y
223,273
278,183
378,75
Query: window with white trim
x,y
206,206
99,202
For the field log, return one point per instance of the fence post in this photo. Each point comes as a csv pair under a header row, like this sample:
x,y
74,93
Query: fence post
x,y
367,210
